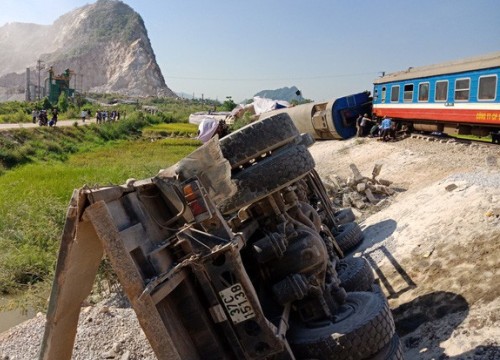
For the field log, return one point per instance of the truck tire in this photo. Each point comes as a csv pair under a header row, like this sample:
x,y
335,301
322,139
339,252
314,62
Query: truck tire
x,y
348,236
258,138
344,216
307,140
355,274
254,183
363,327
392,351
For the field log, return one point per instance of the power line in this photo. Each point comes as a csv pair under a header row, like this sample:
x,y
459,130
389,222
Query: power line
x,y
270,79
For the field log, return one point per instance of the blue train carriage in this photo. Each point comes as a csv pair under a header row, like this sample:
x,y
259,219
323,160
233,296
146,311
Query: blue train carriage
x,y
459,97
329,120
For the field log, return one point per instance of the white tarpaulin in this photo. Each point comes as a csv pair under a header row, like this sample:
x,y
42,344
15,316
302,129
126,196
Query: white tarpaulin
x,y
197,117
207,128
262,105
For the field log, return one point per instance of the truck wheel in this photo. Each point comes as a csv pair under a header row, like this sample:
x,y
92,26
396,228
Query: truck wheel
x,y
307,140
282,168
392,351
355,274
361,328
258,138
344,216
348,236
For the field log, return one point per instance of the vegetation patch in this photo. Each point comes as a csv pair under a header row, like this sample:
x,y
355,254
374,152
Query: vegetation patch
x,y
40,168
23,146
35,199
170,130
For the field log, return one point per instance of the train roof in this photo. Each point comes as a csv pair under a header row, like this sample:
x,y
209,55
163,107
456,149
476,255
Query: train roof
x,y
473,63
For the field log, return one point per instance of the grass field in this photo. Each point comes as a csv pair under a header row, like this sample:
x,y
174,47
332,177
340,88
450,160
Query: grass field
x,y
172,129
35,193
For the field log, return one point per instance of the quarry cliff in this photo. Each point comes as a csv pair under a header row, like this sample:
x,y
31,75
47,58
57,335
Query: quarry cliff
x,y
105,44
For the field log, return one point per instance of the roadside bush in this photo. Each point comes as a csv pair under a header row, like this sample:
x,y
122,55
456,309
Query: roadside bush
x,y
71,113
246,119
17,117
11,158
173,129
21,117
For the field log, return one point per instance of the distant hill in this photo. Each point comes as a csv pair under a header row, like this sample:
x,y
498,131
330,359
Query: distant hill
x,y
285,93
105,43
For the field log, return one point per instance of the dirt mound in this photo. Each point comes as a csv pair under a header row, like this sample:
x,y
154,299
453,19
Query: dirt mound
x,y
435,246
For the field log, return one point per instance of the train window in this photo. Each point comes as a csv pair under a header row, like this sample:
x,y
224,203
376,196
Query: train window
x,y
423,91
395,93
383,94
408,95
487,87
462,87
441,93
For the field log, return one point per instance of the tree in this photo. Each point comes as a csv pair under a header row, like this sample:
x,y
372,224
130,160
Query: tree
x,y
297,102
45,104
63,103
80,100
229,104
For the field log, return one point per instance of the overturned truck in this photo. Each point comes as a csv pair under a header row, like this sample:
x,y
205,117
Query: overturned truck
x,y
236,252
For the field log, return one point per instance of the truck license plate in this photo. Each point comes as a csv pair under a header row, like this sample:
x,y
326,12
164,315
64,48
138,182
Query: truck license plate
x,y
236,303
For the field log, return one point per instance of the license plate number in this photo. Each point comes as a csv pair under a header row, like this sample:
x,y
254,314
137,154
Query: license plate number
x,y
236,303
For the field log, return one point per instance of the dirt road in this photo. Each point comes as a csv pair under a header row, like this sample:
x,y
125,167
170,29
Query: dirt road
x,y
31,125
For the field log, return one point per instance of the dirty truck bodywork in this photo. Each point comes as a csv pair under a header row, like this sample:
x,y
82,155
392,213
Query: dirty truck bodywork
x,y
227,255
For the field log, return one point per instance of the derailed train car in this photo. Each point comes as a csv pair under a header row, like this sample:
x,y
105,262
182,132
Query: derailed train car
x,y
458,97
335,119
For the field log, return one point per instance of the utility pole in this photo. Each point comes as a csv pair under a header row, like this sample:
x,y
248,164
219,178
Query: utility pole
x,y
39,66
27,91
74,89
81,83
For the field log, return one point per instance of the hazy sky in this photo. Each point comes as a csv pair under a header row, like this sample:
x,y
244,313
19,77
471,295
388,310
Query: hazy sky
x,y
327,48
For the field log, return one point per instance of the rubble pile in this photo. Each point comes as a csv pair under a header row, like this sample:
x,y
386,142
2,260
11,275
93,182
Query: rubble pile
x,y
360,192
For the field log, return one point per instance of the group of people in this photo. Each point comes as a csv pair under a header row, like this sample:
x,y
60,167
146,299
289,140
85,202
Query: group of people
x,y
101,116
385,129
105,116
42,117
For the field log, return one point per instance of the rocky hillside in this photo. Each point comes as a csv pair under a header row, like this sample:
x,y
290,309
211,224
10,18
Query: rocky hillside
x,y
106,43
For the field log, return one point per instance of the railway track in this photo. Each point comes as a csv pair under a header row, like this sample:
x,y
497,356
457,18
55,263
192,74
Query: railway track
x,y
446,139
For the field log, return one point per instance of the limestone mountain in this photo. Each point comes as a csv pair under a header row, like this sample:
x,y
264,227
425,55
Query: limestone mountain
x,y
284,93
105,44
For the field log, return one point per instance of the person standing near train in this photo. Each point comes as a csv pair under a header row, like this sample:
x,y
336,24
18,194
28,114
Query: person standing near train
x,y
358,125
363,122
386,128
